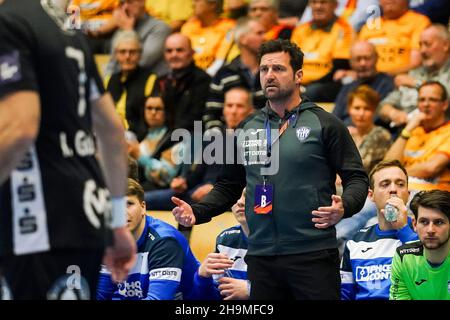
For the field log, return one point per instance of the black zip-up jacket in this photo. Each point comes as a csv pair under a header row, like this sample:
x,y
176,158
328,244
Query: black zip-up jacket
x,y
314,147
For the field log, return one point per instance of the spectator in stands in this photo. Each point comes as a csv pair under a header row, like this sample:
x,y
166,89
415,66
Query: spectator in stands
x,y
131,84
173,12
196,180
435,65
356,12
326,42
290,11
424,144
372,142
235,9
421,270
152,32
266,11
184,88
158,171
365,266
91,15
363,59
207,31
162,250
436,10
396,36
223,274
243,71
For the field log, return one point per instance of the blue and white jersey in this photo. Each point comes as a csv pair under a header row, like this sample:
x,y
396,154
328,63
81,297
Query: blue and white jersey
x,y
164,269
233,243
366,262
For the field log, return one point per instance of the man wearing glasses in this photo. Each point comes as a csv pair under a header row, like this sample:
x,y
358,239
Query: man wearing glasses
x,y
131,84
423,146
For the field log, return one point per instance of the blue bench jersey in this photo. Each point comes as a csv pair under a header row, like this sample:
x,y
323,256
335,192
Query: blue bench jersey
x,y
366,262
164,269
233,243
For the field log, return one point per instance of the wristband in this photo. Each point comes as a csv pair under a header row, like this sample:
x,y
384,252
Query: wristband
x,y
118,212
405,134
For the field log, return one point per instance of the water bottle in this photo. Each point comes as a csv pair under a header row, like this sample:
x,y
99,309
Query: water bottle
x,y
390,212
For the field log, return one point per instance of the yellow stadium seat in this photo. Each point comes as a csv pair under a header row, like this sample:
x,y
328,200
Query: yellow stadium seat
x,y
203,236
165,216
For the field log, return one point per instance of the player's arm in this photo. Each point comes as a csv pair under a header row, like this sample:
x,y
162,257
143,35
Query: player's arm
x,y
348,285
19,126
20,109
106,287
165,262
398,289
113,159
112,146
430,168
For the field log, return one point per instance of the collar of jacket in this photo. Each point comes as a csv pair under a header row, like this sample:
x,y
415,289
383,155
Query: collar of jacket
x,y
268,111
130,76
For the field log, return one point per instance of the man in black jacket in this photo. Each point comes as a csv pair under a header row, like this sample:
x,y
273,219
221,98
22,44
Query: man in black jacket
x,y
184,89
291,151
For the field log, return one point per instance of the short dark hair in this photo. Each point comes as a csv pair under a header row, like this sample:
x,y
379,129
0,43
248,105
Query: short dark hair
x,y
444,93
280,45
135,189
386,164
133,169
433,199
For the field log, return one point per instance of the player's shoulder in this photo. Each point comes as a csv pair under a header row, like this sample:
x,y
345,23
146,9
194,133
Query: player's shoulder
x,y
19,8
412,248
163,231
230,232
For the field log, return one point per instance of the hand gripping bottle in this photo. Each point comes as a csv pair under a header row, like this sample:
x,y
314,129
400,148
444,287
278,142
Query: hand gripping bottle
x,y
390,212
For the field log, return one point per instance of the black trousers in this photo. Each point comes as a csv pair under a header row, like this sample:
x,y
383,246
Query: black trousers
x,y
308,276
60,274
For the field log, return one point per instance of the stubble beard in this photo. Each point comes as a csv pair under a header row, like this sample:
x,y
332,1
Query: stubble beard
x,y
280,95
437,245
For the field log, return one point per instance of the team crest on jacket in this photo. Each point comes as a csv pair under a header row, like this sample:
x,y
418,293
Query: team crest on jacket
x,y
303,133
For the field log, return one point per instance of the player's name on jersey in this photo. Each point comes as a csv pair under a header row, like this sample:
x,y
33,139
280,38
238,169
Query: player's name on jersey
x,y
83,144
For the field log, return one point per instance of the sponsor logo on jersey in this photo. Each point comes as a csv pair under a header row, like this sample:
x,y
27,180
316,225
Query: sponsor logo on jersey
x,y
366,249
371,273
409,250
10,68
418,283
303,133
229,232
131,289
173,274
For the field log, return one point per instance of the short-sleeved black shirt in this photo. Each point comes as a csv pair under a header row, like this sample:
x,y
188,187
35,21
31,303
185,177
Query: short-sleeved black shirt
x,y
56,198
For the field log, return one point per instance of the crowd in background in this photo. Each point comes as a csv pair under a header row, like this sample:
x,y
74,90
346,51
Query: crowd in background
x,y
384,65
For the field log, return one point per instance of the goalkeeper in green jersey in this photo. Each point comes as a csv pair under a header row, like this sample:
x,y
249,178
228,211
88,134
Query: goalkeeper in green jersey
x,y
421,270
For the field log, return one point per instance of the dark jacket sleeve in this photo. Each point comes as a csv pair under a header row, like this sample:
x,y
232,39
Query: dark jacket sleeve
x,y
346,161
227,190
190,102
